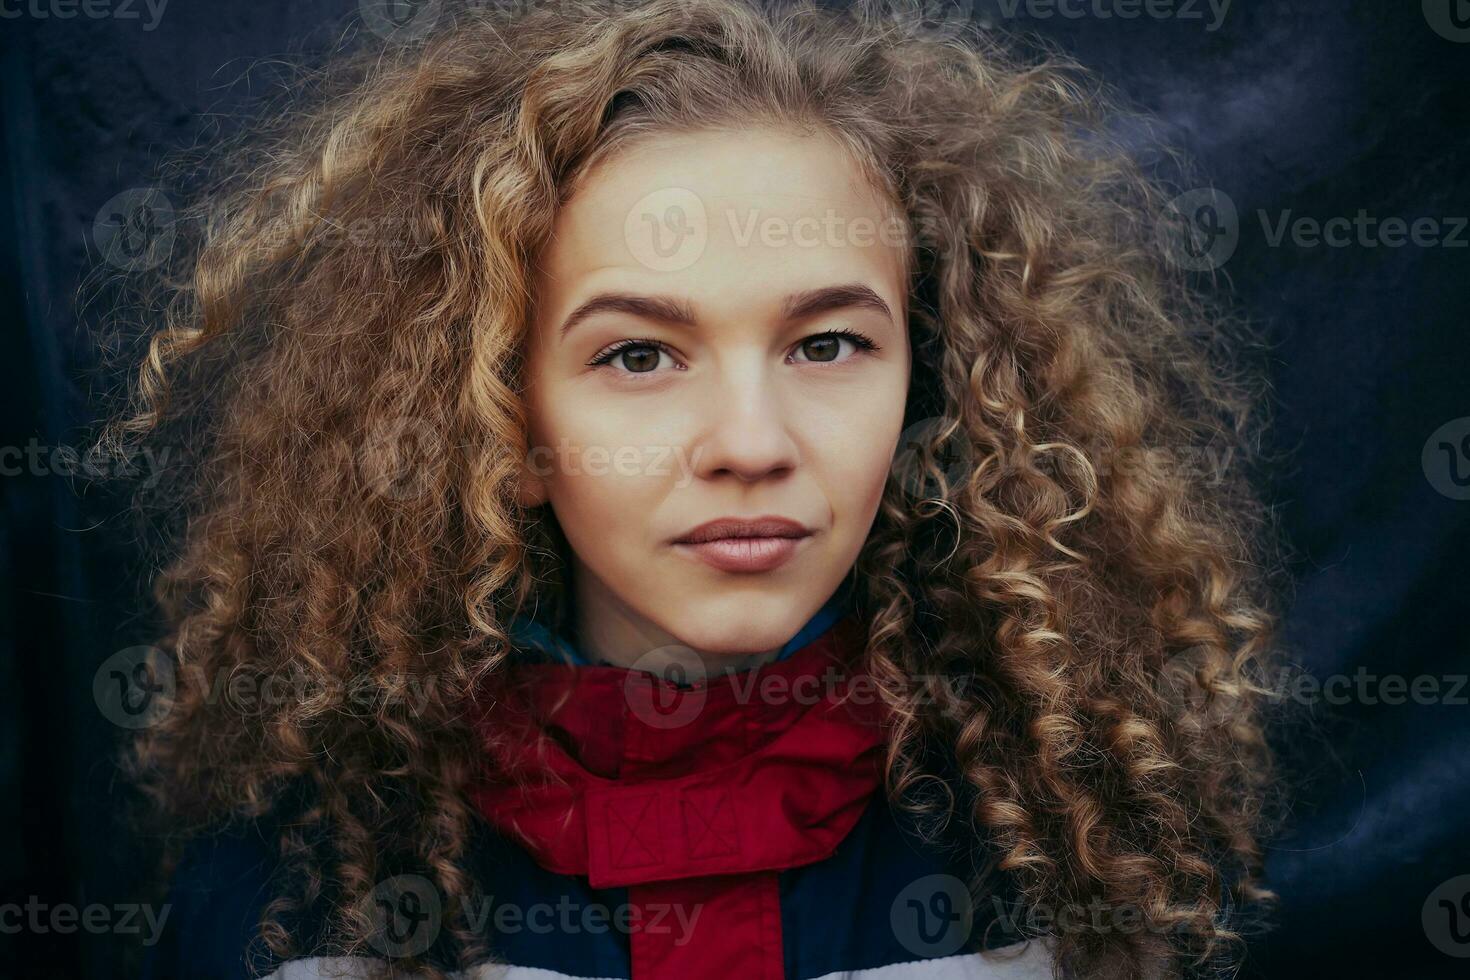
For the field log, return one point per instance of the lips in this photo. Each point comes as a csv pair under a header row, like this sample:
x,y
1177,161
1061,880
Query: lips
x,y
744,544
743,527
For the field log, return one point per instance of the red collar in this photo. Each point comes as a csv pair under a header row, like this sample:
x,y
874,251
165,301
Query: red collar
x,y
627,778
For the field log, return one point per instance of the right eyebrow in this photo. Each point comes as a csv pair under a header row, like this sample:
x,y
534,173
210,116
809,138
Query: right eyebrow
x,y
797,306
647,307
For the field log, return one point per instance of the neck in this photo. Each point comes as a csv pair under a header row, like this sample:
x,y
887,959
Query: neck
x,y
609,633
624,644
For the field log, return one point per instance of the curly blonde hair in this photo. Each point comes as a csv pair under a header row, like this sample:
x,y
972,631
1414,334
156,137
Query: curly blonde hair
x,y
1067,585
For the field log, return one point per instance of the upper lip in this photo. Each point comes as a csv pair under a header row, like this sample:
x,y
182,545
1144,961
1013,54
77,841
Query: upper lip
x,y
769,526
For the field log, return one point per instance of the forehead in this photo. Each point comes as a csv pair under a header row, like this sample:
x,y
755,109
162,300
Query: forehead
x,y
723,216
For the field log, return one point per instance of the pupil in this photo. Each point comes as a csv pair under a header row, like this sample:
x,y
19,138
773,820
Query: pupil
x,y
822,343
633,354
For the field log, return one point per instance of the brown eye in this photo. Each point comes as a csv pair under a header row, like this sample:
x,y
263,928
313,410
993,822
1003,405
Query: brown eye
x,y
632,357
827,347
823,348
639,360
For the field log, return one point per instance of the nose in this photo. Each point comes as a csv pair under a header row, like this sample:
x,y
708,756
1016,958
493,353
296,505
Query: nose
x,y
746,428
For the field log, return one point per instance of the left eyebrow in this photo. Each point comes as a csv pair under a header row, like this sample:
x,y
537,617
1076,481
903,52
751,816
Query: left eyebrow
x,y
795,307
828,298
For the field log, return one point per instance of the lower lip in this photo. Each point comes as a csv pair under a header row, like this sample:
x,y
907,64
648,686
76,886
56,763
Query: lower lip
x,y
744,554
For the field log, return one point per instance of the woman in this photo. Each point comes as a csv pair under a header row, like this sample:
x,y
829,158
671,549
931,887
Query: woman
x,y
700,491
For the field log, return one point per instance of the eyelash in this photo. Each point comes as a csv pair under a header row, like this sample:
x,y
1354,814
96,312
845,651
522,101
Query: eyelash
x,y
863,342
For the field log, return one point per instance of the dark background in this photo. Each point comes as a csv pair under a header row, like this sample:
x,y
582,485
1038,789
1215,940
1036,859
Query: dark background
x,y
1314,108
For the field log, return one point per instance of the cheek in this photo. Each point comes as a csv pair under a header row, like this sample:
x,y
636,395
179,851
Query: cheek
x,y
602,471
864,473
855,449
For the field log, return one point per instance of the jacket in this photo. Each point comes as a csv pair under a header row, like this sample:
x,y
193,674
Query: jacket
x,y
643,829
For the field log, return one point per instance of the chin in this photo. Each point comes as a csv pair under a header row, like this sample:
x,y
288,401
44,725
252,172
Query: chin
x,y
734,639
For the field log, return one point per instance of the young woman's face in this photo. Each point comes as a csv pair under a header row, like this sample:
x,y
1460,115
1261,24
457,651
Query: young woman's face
x,y
686,364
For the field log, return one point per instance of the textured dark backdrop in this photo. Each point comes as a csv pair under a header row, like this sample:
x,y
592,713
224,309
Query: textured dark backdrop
x,y
1314,108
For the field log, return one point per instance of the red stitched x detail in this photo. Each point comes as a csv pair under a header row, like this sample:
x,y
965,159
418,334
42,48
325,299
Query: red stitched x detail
x,y
710,827
633,824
